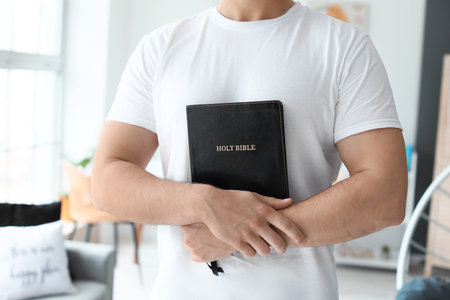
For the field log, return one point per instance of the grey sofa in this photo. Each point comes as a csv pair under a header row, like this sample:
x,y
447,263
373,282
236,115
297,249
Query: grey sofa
x,y
92,270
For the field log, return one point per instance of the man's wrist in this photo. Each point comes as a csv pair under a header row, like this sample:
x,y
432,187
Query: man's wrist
x,y
290,212
199,196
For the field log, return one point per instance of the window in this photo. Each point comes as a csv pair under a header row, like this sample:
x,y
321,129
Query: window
x,y
30,99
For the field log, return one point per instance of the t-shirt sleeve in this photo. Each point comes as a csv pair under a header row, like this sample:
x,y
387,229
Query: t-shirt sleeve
x,y
365,100
133,103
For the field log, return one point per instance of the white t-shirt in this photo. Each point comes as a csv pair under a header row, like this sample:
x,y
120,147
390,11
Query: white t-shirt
x,y
332,84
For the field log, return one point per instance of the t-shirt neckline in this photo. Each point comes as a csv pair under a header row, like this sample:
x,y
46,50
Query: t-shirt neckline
x,y
252,25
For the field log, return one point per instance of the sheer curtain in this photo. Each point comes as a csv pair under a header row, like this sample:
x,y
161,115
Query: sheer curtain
x,y
30,99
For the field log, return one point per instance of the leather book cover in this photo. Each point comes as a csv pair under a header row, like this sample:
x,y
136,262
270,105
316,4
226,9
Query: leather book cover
x,y
239,146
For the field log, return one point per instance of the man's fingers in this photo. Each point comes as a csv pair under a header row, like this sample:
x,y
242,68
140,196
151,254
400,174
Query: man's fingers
x,y
246,249
287,226
260,245
243,220
276,203
274,239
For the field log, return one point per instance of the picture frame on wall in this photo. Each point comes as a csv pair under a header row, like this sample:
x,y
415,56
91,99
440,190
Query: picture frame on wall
x,y
355,13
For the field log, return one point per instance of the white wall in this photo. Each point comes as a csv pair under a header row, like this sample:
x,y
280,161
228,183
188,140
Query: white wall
x,y
396,28
118,49
84,74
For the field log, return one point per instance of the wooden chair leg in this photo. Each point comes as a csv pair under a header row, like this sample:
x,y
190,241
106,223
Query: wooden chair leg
x,y
137,239
427,272
87,237
139,228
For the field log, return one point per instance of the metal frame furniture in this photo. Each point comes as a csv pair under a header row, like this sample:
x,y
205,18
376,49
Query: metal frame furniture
x,y
407,242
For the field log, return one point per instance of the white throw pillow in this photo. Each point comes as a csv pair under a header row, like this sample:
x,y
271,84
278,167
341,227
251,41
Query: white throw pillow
x,y
33,261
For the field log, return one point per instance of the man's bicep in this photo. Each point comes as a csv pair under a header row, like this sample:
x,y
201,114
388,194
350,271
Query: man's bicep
x,y
121,141
377,162
379,150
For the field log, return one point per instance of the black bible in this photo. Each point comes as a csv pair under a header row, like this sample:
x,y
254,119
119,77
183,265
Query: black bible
x,y
239,146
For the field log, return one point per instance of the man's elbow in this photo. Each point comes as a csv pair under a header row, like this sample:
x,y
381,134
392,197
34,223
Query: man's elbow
x,y
97,201
392,192
397,217
394,212
98,192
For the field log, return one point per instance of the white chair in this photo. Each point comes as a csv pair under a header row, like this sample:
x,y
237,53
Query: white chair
x,y
403,264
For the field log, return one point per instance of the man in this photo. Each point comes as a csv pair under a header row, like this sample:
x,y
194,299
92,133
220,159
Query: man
x,y
338,106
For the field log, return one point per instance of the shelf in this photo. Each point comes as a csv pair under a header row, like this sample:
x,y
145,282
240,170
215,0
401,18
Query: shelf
x,y
380,263
367,251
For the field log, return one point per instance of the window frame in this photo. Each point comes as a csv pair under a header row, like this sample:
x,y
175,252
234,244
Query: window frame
x,y
13,60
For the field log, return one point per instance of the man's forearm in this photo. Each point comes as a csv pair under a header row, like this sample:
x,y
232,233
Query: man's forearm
x,y
127,191
352,208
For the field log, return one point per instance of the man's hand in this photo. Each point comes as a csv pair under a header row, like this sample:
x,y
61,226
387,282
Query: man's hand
x,y
202,244
246,221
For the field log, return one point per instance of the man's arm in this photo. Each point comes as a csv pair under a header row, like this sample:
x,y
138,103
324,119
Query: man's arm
x,y
121,186
373,197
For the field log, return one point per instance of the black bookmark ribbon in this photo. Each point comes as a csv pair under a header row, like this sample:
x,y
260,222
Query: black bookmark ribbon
x,y
215,268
